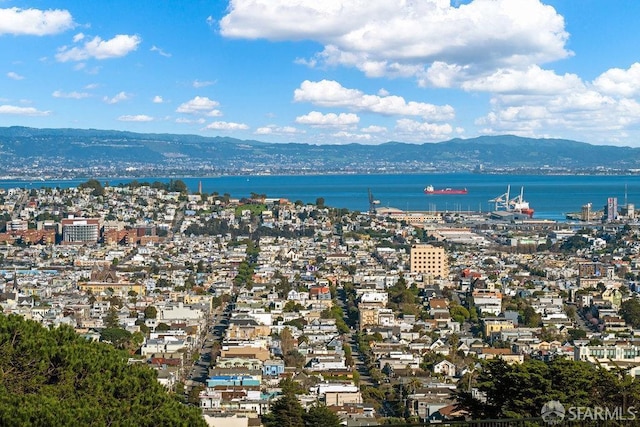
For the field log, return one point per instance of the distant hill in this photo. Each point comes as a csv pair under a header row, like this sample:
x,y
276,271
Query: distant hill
x,y
87,152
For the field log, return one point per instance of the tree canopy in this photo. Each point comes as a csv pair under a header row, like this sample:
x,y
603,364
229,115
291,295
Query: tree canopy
x,y
55,377
287,411
520,390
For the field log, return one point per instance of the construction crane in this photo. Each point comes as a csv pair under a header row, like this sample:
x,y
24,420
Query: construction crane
x,y
372,204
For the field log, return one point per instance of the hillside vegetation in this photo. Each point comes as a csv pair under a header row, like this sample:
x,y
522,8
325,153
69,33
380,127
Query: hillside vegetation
x,y
56,378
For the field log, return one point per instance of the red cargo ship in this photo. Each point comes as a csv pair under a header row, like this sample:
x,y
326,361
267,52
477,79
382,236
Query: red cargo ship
x,y
430,190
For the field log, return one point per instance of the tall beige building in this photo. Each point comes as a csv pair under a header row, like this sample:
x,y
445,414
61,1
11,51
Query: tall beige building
x,y
429,260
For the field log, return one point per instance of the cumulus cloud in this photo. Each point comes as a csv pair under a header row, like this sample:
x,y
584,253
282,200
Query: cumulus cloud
x,y
200,105
280,130
598,116
534,81
415,130
329,93
22,111
157,99
34,22
352,136
400,38
619,82
315,118
374,129
70,95
122,96
96,48
136,118
14,76
226,126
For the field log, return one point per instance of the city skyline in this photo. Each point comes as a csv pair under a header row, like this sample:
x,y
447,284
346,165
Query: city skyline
x,y
331,72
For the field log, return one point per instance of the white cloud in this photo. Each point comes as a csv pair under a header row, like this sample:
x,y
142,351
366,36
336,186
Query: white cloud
x,y
620,82
199,121
14,76
22,111
374,129
70,95
583,112
413,130
158,99
92,86
534,81
352,136
34,22
136,118
329,93
402,38
78,37
281,130
122,96
96,48
227,126
161,52
200,105
315,118
199,83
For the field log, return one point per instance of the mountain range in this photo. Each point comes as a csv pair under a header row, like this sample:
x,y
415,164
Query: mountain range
x,y
66,153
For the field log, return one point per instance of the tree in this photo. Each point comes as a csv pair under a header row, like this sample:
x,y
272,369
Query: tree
x,y
162,327
287,342
289,386
630,312
285,412
111,320
520,390
55,377
321,416
116,336
150,312
294,358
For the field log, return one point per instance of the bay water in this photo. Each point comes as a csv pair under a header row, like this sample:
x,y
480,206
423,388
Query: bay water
x,y
551,196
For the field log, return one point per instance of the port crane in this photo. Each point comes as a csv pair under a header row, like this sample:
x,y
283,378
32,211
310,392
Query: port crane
x,y
516,204
372,204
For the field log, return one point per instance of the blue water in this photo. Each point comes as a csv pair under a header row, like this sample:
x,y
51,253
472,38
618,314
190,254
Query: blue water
x,y
551,196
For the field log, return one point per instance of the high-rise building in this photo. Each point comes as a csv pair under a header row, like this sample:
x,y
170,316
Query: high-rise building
x,y
612,208
80,231
430,260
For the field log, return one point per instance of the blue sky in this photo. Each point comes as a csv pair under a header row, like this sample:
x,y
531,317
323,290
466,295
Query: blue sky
x,y
325,72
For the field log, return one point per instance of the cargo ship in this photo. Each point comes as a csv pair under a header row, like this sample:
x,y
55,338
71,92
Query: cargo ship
x,y
430,190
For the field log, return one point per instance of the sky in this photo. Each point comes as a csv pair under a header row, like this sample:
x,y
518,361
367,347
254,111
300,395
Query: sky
x,y
325,72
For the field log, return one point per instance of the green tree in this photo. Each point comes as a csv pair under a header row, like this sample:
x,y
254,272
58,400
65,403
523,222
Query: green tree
x,y
150,312
289,386
286,411
111,320
321,416
55,377
162,327
117,336
520,390
630,312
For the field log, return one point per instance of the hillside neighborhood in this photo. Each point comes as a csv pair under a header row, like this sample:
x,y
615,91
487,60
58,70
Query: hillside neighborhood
x,y
380,317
